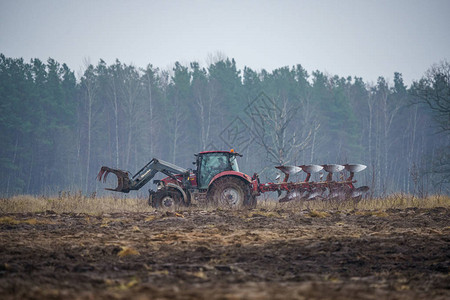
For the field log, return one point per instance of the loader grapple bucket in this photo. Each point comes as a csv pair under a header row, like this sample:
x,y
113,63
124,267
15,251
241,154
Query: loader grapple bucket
x,y
123,179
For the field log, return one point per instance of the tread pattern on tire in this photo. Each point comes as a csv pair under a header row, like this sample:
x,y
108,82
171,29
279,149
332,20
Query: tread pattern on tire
x,y
220,184
158,196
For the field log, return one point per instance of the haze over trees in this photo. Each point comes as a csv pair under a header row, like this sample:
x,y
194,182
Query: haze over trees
x,y
57,130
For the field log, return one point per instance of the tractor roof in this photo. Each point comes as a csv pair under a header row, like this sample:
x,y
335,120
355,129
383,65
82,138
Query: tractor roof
x,y
220,151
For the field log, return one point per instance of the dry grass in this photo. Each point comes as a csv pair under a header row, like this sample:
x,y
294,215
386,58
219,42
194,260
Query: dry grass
x,y
73,203
404,201
398,201
12,221
78,203
127,251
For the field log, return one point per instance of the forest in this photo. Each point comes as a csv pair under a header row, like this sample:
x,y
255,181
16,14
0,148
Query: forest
x,y
58,128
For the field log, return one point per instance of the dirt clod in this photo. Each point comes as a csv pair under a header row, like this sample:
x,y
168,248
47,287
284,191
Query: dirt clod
x,y
227,254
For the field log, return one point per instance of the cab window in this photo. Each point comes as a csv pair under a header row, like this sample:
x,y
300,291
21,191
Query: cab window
x,y
212,164
234,164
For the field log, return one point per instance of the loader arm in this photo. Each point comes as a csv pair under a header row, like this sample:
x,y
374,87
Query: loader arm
x,y
143,176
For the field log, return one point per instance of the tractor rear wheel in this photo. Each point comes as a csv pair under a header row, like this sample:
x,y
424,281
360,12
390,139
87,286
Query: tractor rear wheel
x,y
167,198
231,192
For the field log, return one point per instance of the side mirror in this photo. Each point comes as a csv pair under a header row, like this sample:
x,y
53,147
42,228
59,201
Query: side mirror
x,y
193,162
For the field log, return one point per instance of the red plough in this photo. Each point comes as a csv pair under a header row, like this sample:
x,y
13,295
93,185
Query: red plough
x,y
309,190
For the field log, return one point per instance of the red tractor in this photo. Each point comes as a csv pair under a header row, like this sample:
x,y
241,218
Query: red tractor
x,y
217,180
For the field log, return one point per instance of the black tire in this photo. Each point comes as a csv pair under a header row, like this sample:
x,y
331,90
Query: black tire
x,y
231,192
167,198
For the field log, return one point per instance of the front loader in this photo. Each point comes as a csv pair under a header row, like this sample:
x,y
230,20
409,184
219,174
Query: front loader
x,y
218,181
125,183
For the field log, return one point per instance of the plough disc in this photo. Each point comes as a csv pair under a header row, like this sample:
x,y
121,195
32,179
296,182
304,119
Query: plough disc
x,y
291,170
292,195
316,193
358,192
311,168
355,168
333,168
326,190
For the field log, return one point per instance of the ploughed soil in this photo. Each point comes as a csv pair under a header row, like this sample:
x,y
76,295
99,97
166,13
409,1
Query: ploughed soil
x,y
226,254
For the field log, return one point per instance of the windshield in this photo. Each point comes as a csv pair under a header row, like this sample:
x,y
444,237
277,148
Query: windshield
x,y
212,164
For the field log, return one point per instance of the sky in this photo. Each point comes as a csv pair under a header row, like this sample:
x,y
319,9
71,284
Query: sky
x,y
364,38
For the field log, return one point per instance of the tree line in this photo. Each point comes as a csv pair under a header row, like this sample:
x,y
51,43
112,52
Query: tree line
x,y
57,129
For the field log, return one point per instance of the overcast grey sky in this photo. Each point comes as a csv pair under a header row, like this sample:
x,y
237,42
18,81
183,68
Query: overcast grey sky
x,y
357,38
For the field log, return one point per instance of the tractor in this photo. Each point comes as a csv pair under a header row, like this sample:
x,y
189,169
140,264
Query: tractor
x,y
218,181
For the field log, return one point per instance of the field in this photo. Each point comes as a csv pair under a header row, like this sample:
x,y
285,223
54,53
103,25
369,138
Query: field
x,y
74,246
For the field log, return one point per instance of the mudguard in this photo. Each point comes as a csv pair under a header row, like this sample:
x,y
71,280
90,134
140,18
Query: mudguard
x,y
241,175
178,188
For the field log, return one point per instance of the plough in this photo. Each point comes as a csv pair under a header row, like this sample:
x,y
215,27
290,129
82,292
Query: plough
x,y
308,190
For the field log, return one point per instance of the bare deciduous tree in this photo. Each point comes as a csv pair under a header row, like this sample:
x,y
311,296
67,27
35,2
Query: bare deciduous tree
x,y
274,131
434,91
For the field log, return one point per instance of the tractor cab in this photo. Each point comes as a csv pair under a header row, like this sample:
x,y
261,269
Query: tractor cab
x,y
211,163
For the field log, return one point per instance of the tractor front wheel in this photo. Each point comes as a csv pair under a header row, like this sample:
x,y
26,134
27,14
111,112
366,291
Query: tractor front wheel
x,y
166,198
231,192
